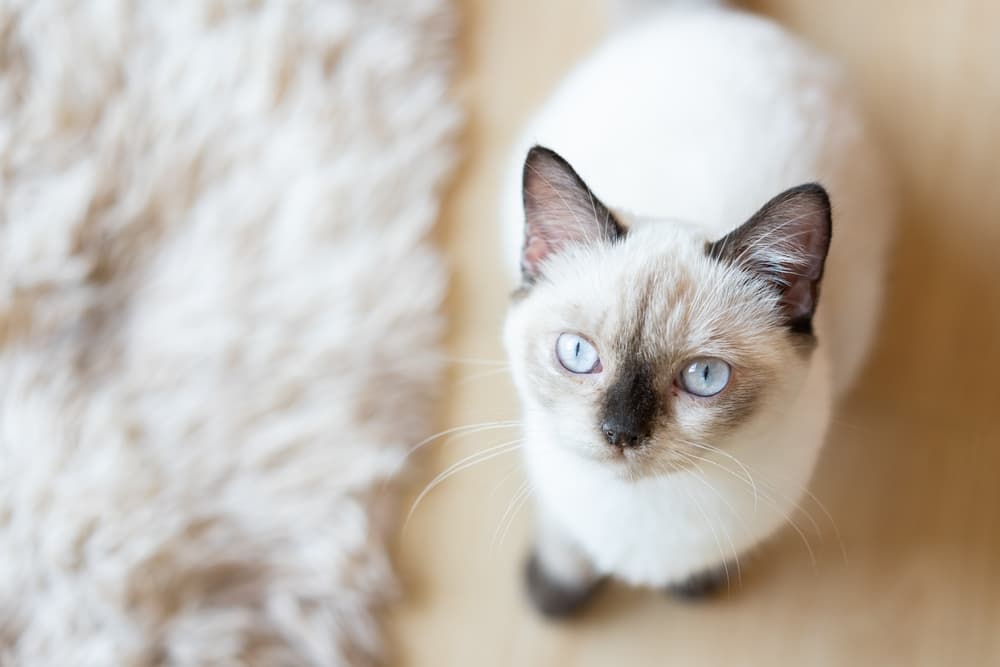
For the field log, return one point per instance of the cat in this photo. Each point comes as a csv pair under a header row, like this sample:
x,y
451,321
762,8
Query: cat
x,y
698,220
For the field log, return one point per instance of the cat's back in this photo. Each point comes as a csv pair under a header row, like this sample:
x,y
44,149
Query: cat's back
x,y
701,116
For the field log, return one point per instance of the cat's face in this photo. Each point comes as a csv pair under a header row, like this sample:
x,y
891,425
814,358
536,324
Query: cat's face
x,y
642,346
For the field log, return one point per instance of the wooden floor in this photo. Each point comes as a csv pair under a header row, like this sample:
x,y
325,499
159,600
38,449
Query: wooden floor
x,y
911,473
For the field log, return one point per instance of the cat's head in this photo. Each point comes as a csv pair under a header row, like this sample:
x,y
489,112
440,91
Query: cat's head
x,y
642,344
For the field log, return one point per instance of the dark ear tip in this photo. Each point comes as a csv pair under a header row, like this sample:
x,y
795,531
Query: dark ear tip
x,y
812,188
542,165
820,200
813,191
538,151
540,156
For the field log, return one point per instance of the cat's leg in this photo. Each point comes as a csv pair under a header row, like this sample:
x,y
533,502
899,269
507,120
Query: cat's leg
x,y
558,576
702,584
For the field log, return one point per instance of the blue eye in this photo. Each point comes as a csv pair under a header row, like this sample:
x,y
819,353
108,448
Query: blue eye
x,y
576,354
705,377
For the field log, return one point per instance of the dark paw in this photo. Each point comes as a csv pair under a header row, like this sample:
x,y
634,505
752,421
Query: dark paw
x,y
701,585
552,598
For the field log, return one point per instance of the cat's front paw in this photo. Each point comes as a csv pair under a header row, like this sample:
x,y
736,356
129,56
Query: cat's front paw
x,y
701,585
554,598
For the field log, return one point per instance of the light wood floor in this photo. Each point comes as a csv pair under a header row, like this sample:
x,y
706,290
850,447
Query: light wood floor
x,y
910,473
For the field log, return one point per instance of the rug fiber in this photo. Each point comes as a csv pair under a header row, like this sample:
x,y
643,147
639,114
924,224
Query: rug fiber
x,y
219,321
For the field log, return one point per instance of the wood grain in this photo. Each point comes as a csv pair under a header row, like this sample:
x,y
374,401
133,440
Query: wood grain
x,y
909,476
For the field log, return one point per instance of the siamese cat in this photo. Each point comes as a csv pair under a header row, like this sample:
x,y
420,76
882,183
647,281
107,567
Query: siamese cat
x,y
698,222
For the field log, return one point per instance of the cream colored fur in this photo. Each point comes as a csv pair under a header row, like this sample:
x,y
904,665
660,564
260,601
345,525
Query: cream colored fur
x,y
686,124
219,322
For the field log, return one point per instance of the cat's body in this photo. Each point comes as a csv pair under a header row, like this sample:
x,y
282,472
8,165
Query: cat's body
x,y
685,126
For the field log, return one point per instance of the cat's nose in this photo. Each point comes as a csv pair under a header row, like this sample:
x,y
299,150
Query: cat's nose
x,y
620,434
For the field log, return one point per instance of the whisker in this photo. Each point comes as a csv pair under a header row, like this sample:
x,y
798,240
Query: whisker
x,y
510,471
510,522
468,429
463,464
771,502
522,491
788,499
746,471
829,517
790,520
455,432
715,535
805,540
692,460
732,546
816,501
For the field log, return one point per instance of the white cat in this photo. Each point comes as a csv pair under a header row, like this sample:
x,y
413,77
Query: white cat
x,y
676,385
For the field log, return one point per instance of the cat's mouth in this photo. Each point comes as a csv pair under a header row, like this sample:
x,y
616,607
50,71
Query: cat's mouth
x,y
631,462
640,461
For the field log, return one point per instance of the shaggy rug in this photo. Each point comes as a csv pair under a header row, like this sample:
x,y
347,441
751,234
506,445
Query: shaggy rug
x,y
219,321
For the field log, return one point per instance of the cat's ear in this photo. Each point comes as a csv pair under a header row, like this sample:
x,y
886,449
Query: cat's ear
x,y
559,210
785,243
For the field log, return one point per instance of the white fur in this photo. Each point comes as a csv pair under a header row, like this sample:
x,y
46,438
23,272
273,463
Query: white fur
x,y
207,371
698,117
660,530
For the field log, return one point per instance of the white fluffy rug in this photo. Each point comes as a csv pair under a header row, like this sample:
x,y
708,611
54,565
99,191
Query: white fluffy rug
x,y
219,321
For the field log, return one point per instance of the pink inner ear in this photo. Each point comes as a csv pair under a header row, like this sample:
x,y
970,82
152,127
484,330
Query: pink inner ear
x,y
559,210
799,298
785,243
535,250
